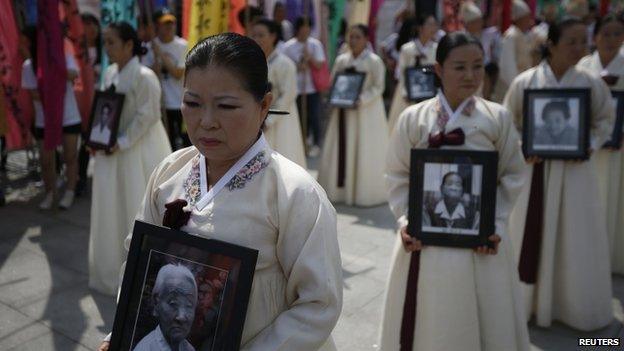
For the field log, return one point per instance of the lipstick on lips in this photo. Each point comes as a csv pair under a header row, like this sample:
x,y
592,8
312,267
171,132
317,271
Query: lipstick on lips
x,y
209,142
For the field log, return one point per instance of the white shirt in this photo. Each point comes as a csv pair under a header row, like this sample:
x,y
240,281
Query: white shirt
x,y
71,115
442,211
287,29
155,341
294,49
171,87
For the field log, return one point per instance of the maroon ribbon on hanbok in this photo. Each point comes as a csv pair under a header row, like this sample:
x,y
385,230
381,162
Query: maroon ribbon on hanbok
x,y
454,137
342,148
175,217
532,241
408,323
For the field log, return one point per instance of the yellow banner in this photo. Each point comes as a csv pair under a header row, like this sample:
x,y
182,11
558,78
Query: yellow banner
x,y
208,17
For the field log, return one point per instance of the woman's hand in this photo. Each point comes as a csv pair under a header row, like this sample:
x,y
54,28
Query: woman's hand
x,y
486,250
533,160
104,346
112,150
410,244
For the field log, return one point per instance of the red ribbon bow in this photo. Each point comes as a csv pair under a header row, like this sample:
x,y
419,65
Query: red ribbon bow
x,y
454,137
175,217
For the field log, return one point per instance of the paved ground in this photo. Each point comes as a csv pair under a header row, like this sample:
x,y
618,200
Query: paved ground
x,y
45,303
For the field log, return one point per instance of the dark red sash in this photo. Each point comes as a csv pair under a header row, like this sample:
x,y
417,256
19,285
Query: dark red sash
x,y
532,241
342,148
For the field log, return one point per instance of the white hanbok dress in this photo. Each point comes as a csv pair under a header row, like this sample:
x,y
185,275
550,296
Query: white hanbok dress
x,y
284,132
609,166
515,58
365,139
274,206
465,300
407,58
573,281
119,180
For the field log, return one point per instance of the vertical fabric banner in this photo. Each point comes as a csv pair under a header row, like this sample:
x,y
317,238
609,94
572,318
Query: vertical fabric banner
x,y
359,11
84,85
336,12
51,71
506,15
451,22
297,8
372,20
17,104
115,11
208,17
233,25
604,7
186,17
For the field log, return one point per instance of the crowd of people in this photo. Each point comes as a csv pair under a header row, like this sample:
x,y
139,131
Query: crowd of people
x,y
558,223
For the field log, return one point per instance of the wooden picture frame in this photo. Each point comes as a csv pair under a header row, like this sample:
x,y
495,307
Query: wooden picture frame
x,y
104,120
222,273
452,197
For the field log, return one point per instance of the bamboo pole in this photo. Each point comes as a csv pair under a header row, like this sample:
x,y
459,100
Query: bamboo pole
x,y
304,96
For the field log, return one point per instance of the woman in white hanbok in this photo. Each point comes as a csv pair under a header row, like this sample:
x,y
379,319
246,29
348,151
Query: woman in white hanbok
x,y
121,174
356,139
282,132
443,298
239,190
608,63
558,227
420,51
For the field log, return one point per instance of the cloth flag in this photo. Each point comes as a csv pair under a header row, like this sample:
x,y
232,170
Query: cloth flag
x,y
208,17
115,11
336,12
359,12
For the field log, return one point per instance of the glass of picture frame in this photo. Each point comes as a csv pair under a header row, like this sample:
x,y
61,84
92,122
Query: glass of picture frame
x,y
420,83
346,89
205,283
452,197
104,120
556,123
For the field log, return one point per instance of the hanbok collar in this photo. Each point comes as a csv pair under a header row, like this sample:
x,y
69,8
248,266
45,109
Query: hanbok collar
x,y
447,114
124,79
423,48
245,168
273,56
615,66
364,54
442,211
550,79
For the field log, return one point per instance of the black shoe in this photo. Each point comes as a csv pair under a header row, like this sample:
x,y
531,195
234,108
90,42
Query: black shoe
x,y
81,186
2,199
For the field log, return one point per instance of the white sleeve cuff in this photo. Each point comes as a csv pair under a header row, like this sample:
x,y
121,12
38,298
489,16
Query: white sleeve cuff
x,y
123,142
107,338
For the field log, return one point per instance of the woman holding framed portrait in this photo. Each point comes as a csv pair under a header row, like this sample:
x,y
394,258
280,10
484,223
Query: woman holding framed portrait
x,y
608,62
418,52
120,174
282,132
238,190
356,139
558,228
447,298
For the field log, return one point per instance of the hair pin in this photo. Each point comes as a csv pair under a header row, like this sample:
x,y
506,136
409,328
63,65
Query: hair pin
x,y
278,112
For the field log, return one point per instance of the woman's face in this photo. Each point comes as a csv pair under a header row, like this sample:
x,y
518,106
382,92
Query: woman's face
x,y
357,40
92,30
609,38
116,49
462,72
429,28
555,122
222,118
260,33
453,188
572,45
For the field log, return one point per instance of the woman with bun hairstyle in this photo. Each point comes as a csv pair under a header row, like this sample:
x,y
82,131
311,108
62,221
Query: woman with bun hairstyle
x,y
120,174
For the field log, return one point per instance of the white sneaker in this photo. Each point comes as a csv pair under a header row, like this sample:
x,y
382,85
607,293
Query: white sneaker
x,y
314,151
46,204
67,200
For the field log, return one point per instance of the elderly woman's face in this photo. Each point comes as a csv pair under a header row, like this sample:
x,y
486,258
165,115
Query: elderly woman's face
x,y
555,122
175,308
453,187
222,118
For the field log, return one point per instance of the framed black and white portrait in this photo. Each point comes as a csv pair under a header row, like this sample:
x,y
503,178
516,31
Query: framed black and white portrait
x,y
346,89
556,123
615,141
420,83
104,121
452,197
184,290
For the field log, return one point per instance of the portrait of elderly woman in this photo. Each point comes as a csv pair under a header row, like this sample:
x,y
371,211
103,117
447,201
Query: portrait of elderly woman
x,y
346,89
452,208
175,298
556,130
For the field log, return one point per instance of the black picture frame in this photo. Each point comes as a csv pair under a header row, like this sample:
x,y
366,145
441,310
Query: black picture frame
x,y
573,142
426,77
615,141
107,131
221,309
346,89
428,168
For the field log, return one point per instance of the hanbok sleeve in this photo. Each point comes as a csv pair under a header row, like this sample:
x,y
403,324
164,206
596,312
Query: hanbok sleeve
x,y
507,62
287,74
147,94
398,168
404,60
602,113
511,170
377,73
307,250
513,102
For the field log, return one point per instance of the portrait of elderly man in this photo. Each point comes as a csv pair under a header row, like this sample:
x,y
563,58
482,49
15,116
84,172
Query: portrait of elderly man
x,y
556,129
451,211
175,298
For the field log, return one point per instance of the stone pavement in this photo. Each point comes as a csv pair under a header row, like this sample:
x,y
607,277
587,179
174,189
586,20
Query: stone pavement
x,y
45,303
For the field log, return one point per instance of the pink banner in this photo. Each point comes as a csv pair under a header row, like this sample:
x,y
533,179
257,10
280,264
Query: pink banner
x,y
372,20
51,70
18,106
